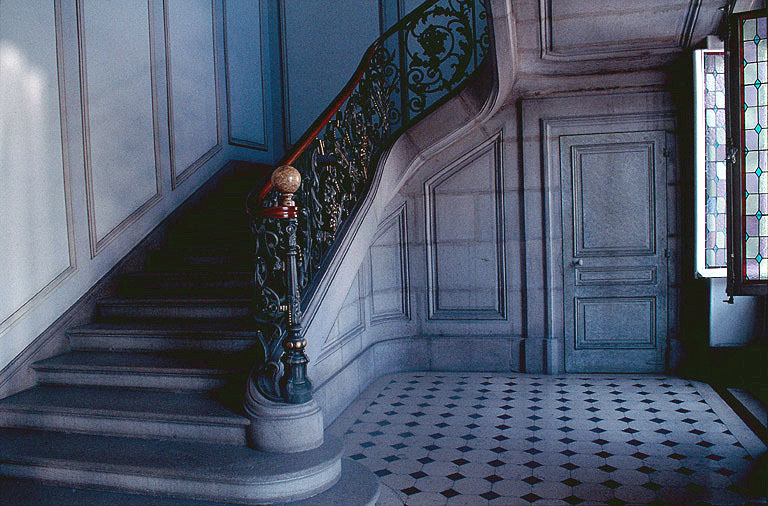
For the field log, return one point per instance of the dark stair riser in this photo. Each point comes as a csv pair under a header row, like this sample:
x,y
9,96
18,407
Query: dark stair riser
x,y
164,308
178,469
357,487
199,261
217,284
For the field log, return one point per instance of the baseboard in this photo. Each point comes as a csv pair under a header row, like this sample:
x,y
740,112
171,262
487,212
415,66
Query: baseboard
x,y
18,375
414,353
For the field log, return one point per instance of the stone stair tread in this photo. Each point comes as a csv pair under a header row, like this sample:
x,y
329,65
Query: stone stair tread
x,y
171,327
192,305
353,489
188,460
123,403
197,274
188,362
194,299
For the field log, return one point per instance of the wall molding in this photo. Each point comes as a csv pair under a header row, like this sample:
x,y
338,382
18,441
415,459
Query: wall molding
x,y
331,345
411,352
264,145
178,177
627,49
35,300
492,145
98,245
399,219
284,75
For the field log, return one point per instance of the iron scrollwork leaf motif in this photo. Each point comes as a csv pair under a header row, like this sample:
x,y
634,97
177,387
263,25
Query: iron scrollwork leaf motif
x,y
269,301
439,49
430,57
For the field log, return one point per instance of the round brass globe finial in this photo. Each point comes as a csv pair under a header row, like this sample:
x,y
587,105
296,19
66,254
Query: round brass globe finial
x,y
286,180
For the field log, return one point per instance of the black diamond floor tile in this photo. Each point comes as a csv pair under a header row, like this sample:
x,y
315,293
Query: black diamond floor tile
x,y
453,435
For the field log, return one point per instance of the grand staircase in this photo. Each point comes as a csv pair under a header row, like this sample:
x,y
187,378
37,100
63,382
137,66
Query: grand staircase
x,y
163,396
146,407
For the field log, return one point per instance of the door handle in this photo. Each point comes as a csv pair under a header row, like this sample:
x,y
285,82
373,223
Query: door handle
x,y
577,261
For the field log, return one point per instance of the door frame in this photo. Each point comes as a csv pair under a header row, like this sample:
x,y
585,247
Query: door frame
x,y
646,359
541,164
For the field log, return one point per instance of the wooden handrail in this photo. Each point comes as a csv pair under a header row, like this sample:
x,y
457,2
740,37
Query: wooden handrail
x,y
325,117
317,126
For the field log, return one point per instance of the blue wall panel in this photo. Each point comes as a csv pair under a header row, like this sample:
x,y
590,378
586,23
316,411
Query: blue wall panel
x,y
248,73
322,43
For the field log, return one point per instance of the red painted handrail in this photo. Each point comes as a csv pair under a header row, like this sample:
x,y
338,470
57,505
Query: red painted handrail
x,y
320,123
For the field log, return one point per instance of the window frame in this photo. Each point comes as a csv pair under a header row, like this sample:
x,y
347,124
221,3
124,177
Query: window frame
x,y
700,164
734,89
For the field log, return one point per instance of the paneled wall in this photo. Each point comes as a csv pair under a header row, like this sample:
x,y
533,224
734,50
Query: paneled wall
x,y
254,96
394,10
478,277
37,249
119,115
112,112
321,46
193,85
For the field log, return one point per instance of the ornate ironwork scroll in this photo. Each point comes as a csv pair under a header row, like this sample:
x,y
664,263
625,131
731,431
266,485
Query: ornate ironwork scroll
x,y
423,60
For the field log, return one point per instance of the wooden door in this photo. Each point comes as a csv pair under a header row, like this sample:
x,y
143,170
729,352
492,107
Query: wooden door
x,y
614,251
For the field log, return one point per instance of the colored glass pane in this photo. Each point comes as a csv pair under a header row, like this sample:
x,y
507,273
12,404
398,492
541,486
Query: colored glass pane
x,y
754,87
715,160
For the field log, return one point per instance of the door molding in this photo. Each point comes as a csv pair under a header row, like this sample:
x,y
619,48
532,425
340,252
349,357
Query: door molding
x,y
550,130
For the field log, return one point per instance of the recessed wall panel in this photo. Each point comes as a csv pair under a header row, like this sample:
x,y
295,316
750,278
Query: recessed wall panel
x,y
245,73
465,237
389,270
192,87
577,30
350,320
615,322
35,249
118,113
609,218
322,44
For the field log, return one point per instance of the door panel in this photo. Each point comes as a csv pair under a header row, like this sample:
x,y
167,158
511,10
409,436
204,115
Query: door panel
x,y
614,240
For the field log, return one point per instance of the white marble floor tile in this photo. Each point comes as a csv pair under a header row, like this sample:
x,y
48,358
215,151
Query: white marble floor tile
x,y
481,439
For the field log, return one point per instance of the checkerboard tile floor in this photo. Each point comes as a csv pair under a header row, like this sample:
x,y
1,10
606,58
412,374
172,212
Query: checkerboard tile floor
x,y
509,439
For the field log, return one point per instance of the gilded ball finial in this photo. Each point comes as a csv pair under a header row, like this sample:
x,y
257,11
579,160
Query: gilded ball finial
x,y
286,179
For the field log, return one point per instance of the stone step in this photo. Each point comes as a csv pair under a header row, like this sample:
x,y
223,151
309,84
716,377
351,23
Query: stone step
x,y
205,371
121,411
200,259
219,283
183,469
227,212
356,487
198,335
210,235
206,308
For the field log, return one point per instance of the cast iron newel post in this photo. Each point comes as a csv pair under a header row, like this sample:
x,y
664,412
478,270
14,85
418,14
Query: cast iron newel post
x,y
297,387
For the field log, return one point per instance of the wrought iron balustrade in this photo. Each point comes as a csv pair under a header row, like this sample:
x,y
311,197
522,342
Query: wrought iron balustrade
x,y
414,67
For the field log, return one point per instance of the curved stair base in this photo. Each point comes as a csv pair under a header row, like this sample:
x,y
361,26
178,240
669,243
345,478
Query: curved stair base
x,y
282,428
357,487
183,469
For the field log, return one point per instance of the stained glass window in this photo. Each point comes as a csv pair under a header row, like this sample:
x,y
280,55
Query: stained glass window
x,y
755,128
748,129
711,223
